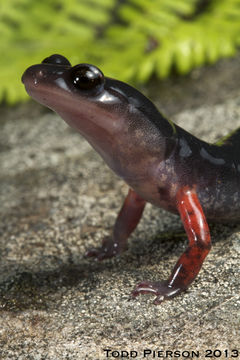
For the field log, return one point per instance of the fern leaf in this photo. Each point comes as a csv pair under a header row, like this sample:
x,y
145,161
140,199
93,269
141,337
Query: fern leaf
x,y
130,40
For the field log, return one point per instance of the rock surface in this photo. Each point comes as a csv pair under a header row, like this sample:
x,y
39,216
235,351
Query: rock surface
x,y
58,199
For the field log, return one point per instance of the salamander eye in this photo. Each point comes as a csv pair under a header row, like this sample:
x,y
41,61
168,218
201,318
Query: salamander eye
x,y
87,77
56,60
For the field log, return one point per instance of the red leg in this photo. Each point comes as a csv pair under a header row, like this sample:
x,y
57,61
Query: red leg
x,y
126,222
190,262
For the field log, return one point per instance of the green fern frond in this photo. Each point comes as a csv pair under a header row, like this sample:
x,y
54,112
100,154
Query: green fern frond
x,y
130,40
186,40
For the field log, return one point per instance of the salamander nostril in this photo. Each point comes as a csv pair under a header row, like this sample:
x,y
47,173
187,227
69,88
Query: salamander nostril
x,y
34,75
56,59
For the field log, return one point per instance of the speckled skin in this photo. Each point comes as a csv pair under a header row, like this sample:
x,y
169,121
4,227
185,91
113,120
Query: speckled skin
x,y
162,163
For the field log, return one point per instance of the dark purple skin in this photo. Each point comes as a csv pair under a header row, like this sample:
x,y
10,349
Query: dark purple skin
x,y
162,163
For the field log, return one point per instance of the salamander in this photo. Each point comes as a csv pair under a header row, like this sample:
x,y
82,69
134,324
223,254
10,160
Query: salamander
x,y
162,163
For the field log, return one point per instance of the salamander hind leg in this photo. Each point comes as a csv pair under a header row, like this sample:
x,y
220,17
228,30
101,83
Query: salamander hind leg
x,y
190,262
127,220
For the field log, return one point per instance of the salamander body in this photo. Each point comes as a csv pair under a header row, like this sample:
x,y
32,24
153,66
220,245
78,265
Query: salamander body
x,y
162,163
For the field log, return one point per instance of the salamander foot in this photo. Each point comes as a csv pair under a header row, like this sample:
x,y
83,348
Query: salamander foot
x,y
161,289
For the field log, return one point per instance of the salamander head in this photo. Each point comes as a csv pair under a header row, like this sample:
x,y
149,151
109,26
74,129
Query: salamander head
x,y
115,118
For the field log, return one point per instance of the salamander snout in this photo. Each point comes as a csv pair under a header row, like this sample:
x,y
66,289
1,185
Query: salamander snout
x,y
51,67
34,74
85,78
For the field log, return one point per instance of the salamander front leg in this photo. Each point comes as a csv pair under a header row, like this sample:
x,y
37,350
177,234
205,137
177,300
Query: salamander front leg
x,y
126,222
190,262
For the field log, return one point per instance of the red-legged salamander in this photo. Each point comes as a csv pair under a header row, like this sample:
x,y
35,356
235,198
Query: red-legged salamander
x,y
162,163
